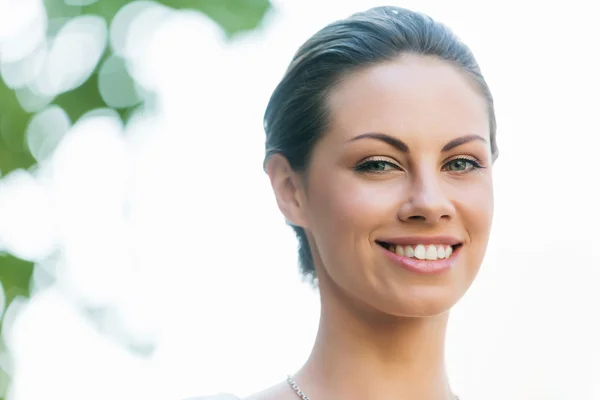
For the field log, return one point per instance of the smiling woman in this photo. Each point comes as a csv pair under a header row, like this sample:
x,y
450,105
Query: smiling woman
x,y
380,142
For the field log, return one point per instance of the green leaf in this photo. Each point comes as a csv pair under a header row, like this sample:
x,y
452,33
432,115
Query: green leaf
x,y
15,277
13,122
234,16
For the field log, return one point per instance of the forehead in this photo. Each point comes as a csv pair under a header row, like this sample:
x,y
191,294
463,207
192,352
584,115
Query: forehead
x,y
414,96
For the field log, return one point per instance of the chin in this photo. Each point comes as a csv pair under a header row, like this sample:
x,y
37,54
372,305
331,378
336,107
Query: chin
x,y
417,304
426,311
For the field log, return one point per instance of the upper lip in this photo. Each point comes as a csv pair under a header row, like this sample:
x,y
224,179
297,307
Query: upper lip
x,y
411,240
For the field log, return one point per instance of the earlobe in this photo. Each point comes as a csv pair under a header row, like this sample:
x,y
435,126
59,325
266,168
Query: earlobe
x,y
288,189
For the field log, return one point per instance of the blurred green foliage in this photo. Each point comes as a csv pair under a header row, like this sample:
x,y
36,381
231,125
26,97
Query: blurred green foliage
x,y
233,16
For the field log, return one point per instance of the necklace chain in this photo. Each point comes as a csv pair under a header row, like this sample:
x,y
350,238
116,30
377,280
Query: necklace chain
x,y
294,386
303,396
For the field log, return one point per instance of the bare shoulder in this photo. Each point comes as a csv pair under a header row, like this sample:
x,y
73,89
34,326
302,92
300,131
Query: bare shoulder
x,y
280,391
221,396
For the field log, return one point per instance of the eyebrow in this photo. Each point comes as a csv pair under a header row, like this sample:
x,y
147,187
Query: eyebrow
x,y
403,147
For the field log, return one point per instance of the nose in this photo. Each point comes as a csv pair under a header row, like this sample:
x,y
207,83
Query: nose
x,y
427,202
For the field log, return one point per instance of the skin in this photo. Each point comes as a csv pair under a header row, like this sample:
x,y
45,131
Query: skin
x,y
382,327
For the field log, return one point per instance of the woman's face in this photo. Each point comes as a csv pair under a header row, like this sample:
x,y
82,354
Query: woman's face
x,y
398,196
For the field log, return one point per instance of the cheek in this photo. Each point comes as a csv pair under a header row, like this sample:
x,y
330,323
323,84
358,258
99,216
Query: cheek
x,y
344,211
476,208
349,204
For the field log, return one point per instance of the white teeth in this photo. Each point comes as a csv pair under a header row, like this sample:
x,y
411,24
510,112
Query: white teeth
x,y
441,252
430,252
448,251
420,252
400,250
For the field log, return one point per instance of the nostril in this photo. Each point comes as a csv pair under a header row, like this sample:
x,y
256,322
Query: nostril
x,y
417,218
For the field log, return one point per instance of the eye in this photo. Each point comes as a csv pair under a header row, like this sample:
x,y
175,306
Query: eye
x,y
377,166
462,164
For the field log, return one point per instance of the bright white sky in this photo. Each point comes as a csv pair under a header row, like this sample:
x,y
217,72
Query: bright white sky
x,y
173,223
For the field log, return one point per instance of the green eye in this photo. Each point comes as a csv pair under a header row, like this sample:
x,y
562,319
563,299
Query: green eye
x,y
461,165
376,166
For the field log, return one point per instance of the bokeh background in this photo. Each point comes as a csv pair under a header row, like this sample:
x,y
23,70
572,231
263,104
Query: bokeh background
x,y
142,255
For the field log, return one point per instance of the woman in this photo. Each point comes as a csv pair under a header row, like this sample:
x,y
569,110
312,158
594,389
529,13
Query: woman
x,y
380,144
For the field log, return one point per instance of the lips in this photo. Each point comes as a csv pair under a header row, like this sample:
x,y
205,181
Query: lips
x,y
422,255
421,251
422,247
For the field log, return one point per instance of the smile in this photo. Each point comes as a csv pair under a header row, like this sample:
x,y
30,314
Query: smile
x,y
430,252
423,258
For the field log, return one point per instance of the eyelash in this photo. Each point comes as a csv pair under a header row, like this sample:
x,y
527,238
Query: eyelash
x,y
364,166
475,164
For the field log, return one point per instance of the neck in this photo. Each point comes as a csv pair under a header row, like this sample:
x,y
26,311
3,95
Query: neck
x,y
361,355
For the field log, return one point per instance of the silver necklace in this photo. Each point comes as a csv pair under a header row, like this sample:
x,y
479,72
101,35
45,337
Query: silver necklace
x,y
301,394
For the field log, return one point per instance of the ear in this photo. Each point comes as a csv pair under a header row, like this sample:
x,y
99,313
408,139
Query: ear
x,y
288,188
